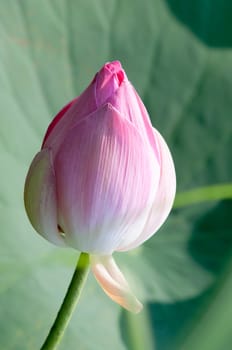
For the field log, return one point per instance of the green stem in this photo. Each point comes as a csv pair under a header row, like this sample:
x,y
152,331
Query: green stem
x,y
138,330
68,306
203,194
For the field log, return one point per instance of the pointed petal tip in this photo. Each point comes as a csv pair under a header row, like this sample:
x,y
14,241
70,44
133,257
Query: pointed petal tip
x,y
114,283
138,307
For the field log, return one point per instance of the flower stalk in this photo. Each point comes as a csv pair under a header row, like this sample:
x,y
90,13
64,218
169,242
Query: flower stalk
x,y
68,306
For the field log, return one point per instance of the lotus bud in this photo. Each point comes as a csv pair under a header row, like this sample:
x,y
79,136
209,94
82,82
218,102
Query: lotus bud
x,y
104,179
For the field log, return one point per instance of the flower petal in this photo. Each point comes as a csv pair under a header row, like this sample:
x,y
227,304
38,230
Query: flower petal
x,y
106,181
40,197
72,113
56,119
128,103
163,199
107,81
113,282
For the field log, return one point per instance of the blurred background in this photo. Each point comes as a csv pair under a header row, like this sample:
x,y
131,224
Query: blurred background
x,y
178,55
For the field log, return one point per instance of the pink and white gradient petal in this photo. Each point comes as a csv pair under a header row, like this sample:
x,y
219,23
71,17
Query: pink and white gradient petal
x,y
130,106
74,111
164,197
109,189
113,282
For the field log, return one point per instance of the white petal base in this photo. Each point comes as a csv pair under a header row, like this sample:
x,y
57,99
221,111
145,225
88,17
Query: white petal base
x,y
40,197
113,282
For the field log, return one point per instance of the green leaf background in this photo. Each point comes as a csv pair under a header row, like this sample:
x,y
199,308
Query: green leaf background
x,y
178,55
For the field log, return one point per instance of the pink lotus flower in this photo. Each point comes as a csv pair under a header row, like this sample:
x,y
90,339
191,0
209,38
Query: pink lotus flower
x,y
104,179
